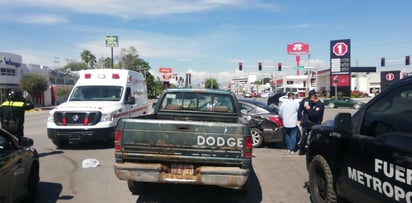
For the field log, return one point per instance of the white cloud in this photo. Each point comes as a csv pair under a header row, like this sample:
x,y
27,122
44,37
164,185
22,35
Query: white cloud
x,y
137,9
149,45
42,19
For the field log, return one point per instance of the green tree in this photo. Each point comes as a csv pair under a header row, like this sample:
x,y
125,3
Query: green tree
x,y
75,66
62,93
211,83
88,58
129,59
266,80
34,83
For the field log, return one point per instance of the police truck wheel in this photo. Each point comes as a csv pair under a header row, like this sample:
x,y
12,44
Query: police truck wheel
x,y
135,188
257,137
321,181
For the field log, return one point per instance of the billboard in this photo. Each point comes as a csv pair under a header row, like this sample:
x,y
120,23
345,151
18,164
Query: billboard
x,y
340,67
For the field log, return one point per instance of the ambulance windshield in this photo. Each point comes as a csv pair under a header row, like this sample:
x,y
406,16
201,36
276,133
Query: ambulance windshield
x,y
96,93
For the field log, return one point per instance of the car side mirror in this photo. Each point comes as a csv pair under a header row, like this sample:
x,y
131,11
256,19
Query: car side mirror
x,y
343,123
26,142
130,100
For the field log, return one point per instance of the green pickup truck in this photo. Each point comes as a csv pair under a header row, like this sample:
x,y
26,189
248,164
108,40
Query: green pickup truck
x,y
194,136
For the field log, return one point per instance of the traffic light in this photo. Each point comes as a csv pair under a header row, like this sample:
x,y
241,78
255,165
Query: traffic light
x,y
407,60
382,61
260,66
279,66
240,66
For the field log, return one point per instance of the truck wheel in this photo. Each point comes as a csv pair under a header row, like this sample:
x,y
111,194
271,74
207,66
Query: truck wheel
x,y
257,137
321,181
60,142
135,188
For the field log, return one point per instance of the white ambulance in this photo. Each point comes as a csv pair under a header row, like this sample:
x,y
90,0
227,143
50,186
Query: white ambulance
x,y
96,103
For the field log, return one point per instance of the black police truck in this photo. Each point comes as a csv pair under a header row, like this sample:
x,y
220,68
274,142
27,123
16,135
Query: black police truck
x,y
366,157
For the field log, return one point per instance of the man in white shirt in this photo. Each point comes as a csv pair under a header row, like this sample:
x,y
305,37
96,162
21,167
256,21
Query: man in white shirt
x,y
288,112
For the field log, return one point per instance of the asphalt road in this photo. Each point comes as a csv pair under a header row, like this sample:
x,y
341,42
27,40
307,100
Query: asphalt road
x,y
277,176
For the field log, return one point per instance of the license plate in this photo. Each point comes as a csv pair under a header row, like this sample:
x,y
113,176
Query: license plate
x,y
74,137
182,169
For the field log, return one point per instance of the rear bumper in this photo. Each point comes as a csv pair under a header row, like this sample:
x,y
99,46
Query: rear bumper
x,y
229,177
82,135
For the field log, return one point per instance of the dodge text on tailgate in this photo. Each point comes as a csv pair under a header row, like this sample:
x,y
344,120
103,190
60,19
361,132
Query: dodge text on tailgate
x,y
193,137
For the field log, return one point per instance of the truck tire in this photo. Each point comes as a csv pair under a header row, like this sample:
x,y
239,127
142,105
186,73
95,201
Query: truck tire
x,y
321,181
257,137
136,188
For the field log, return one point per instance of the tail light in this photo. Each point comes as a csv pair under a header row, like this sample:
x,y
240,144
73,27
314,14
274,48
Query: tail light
x,y
276,119
248,146
117,139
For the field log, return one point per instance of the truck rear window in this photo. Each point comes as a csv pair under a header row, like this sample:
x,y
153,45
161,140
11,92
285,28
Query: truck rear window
x,y
202,102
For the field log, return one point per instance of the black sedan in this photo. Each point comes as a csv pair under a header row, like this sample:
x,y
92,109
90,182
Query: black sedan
x,y
264,121
19,168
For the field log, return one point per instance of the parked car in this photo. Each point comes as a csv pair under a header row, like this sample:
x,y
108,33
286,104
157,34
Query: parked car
x,y
274,99
264,121
19,168
343,102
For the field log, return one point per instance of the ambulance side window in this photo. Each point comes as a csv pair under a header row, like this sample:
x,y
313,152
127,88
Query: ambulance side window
x,y
128,94
391,113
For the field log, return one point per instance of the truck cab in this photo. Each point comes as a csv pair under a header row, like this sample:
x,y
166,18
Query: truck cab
x,y
366,157
96,103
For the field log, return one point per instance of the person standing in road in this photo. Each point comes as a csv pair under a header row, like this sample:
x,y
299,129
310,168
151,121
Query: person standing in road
x,y
312,114
288,112
12,112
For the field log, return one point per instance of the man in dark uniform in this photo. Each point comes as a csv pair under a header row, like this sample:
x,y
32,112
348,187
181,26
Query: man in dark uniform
x,y
310,113
12,112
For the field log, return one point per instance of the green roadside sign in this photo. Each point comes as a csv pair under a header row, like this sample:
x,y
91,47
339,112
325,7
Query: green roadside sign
x,y
112,41
299,67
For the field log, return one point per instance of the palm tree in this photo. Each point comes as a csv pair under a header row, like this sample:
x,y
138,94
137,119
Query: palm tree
x,y
88,58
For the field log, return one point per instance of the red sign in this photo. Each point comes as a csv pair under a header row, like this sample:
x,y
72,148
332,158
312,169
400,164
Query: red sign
x,y
165,70
298,48
340,49
340,80
389,76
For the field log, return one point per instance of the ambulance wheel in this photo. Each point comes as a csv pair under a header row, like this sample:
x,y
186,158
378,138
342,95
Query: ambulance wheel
x,y
257,137
136,188
321,181
60,142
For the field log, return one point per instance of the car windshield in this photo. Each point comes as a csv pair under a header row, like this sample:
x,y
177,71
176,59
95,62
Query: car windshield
x,y
96,93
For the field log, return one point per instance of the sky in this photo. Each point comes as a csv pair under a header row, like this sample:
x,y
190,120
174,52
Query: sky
x,y
208,38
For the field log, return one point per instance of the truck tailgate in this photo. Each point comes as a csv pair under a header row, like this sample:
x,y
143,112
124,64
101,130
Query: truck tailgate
x,y
182,141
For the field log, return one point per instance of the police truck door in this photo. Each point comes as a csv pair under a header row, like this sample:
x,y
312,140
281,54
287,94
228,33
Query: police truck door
x,y
378,163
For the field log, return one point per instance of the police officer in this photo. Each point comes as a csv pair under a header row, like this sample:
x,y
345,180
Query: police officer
x,y
310,113
12,112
